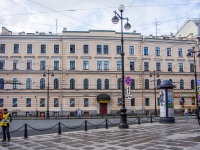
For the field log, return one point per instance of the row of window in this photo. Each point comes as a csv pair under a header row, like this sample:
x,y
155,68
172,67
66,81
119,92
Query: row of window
x,y
100,49
29,48
100,84
100,65
42,102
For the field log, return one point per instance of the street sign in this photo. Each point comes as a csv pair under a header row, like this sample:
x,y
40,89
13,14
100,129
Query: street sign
x,y
128,80
128,90
129,96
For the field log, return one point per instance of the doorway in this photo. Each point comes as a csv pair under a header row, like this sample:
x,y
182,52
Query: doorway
x,y
103,108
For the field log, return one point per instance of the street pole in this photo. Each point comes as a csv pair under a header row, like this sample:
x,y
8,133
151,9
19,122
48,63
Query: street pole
x,y
115,20
48,73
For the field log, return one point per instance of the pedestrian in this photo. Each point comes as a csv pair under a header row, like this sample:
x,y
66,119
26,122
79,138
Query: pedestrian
x,y
5,123
30,113
186,114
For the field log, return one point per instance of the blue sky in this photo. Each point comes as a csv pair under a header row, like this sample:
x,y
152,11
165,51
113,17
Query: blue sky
x,y
83,15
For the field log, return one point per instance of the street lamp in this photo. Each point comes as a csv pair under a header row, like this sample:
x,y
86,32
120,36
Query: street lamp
x,y
48,73
190,51
127,26
154,80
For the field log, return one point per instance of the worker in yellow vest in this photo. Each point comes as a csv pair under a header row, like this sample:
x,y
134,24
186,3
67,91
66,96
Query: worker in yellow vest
x,y
5,123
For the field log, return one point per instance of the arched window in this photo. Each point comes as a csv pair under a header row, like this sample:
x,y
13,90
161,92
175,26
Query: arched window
x,y
106,84
28,83
85,84
1,83
119,84
72,84
181,84
132,84
158,82
192,84
15,83
99,84
56,84
146,84
42,83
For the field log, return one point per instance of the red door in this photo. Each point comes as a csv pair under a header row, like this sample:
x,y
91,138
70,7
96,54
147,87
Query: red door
x,y
103,108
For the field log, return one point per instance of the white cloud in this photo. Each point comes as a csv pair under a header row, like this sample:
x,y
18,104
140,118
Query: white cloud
x,y
37,15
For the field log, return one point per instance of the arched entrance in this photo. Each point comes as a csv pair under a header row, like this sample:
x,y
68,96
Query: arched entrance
x,y
103,100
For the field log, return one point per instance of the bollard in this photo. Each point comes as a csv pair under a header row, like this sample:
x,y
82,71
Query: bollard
x,y
138,120
59,128
106,123
101,115
91,115
151,119
25,131
85,125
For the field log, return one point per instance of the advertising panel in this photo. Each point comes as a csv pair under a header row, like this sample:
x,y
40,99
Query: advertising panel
x,y
170,103
162,103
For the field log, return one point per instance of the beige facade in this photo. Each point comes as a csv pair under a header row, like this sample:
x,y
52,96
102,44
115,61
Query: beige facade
x,y
86,66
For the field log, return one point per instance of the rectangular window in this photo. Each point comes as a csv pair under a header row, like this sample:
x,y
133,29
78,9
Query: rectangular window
x,y
119,101
105,49
56,49
99,49
85,49
86,102
106,65
158,101
180,52
16,48
99,65
42,102
147,102
72,64
15,64
29,49
28,102
56,104
180,67
131,50
1,102
42,65
146,66
2,48
132,65
158,66
72,49
119,65
2,64
133,102
29,64
157,51
56,65
146,51
118,49
72,102
43,49
169,52
85,65
14,102
169,66
191,67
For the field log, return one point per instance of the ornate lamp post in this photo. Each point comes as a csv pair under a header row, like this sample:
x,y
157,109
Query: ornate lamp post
x,y
48,73
190,52
127,26
154,80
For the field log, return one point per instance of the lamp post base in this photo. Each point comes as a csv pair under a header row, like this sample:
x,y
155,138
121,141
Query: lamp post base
x,y
167,120
155,112
47,115
123,124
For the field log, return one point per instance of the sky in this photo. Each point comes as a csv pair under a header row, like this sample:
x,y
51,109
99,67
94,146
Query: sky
x,y
84,15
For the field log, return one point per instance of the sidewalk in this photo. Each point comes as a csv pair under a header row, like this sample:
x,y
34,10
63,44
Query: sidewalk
x,y
148,136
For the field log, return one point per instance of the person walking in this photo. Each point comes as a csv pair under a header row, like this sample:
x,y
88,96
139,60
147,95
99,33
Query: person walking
x,y
5,123
186,114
